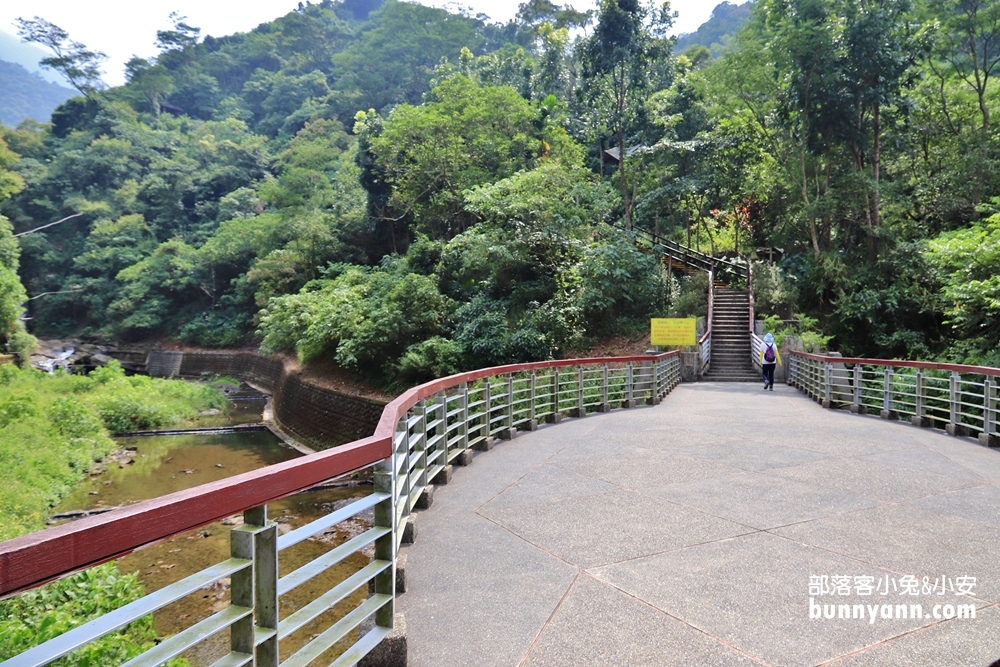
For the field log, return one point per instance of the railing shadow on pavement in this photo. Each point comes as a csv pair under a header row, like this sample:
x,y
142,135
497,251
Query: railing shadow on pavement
x,y
421,435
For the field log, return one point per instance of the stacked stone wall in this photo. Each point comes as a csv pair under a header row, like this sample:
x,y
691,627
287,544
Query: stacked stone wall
x,y
315,415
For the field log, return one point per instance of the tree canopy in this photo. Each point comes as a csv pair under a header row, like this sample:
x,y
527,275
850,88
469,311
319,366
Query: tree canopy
x,y
408,190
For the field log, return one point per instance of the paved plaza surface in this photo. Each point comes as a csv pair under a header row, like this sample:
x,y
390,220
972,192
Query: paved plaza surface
x,y
701,531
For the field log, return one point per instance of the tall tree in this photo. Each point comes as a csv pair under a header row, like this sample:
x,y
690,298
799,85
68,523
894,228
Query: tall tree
x,y
881,52
80,65
970,44
621,61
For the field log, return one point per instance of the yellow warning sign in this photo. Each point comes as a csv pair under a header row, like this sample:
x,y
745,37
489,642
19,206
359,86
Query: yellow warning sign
x,y
673,331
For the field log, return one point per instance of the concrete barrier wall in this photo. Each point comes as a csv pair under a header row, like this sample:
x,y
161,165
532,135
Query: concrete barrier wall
x,y
316,416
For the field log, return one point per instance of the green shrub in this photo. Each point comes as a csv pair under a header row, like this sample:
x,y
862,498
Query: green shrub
x,y
7,374
433,358
123,412
774,291
105,374
16,407
802,327
47,612
692,299
22,345
73,419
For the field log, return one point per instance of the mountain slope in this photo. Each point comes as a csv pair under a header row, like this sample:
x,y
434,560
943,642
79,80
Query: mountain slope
x,y
13,50
27,95
726,19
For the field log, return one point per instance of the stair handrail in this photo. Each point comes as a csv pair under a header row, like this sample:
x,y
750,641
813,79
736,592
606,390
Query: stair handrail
x,y
733,270
755,342
705,342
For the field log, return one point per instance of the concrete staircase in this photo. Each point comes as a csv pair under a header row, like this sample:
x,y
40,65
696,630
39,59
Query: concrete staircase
x,y
731,338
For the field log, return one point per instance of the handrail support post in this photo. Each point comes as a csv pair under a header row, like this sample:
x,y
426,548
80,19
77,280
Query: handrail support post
x,y
887,411
989,436
507,431
955,426
920,417
856,405
629,401
532,424
604,406
256,587
579,410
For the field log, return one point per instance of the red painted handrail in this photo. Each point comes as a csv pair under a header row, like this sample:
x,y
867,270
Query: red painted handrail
x,y
35,559
896,363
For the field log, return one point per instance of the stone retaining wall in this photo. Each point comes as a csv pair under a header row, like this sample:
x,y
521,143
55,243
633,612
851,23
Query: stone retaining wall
x,y
317,416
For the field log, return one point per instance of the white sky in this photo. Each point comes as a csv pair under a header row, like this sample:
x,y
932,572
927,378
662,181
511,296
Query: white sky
x,y
122,28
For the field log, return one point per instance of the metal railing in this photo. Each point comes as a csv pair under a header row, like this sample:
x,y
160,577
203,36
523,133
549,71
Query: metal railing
x,y
960,399
731,272
419,435
756,344
705,342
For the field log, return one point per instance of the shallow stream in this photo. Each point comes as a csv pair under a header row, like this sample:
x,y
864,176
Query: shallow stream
x,y
154,466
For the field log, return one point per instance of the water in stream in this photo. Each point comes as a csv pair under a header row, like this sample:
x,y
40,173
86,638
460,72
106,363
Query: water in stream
x,y
169,463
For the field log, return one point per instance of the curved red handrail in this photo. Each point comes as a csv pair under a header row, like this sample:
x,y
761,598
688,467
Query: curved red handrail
x,y
35,559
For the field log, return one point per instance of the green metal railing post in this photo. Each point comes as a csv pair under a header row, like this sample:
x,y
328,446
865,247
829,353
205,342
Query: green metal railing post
x,y
256,587
920,417
955,425
629,384
887,382
463,427
604,406
385,546
989,436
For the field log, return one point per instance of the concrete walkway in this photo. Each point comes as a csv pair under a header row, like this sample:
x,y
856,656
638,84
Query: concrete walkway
x,y
688,534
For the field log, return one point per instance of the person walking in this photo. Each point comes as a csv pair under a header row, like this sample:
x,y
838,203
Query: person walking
x,y
769,358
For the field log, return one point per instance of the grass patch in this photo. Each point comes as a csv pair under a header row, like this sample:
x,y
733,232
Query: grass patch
x,y
53,427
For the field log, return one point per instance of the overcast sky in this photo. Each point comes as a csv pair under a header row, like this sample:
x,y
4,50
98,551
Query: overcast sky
x,y
123,28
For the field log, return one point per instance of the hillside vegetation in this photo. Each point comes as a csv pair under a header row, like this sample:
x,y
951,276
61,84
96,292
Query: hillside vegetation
x,y
27,95
410,191
727,19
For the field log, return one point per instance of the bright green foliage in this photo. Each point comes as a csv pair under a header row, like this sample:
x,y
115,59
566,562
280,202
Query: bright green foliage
x,y
52,428
433,358
774,291
394,61
364,319
43,613
12,293
802,327
10,181
968,265
464,135
691,298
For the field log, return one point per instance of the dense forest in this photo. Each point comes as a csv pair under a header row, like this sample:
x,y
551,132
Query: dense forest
x,y
410,191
